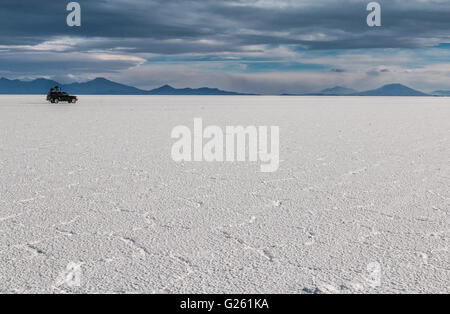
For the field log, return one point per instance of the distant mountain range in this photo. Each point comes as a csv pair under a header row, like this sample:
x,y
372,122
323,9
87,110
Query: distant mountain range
x,y
102,86
386,90
441,93
392,90
335,91
98,86
169,90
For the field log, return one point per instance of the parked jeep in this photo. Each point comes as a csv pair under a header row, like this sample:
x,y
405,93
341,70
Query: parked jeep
x,y
56,95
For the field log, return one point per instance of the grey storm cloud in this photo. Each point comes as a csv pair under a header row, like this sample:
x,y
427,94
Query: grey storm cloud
x,y
139,41
173,26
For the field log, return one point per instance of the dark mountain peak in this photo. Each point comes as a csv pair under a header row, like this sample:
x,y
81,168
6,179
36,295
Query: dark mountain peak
x,y
98,86
334,88
169,90
334,91
396,86
164,88
37,86
392,90
208,88
338,90
100,79
4,79
101,86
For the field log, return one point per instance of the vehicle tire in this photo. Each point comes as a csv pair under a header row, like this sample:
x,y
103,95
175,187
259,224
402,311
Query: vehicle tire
x,y
56,101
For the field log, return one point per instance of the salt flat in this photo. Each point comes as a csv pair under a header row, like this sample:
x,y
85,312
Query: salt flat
x,y
360,203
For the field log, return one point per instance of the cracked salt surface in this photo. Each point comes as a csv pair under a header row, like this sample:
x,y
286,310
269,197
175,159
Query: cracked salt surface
x,y
360,203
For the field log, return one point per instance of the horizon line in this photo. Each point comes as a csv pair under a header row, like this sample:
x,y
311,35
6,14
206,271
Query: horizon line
x,y
168,85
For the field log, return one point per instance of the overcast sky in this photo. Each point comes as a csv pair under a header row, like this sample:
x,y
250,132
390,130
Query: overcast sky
x,y
260,46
